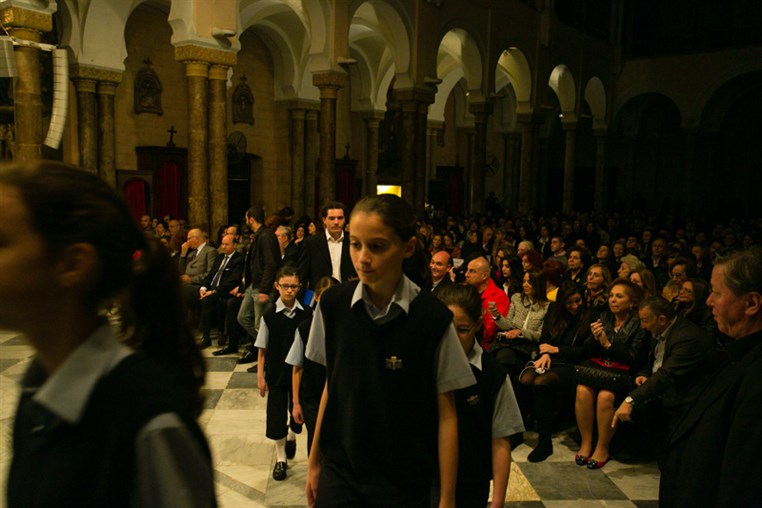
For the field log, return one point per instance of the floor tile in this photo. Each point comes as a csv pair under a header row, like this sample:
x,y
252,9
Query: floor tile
x,y
562,481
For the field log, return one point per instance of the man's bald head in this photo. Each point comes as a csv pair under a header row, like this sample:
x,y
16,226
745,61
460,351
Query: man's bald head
x,y
440,263
477,273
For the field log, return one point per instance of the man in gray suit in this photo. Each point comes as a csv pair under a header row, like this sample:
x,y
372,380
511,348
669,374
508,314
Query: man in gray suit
x,y
196,260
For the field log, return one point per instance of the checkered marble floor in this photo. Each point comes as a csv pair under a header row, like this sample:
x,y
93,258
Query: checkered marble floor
x,y
234,422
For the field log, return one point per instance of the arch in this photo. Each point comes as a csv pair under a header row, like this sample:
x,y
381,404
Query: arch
x,y
561,82
458,58
513,68
717,106
595,96
379,39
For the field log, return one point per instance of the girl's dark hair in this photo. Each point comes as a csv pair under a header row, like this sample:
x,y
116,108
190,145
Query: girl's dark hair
x,y
398,215
66,206
464,296
560,317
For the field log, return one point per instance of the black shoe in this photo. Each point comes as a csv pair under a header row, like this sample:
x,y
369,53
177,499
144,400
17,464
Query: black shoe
x,y
205,343
290,449
253,368
226,351
542,451
279,471
248,357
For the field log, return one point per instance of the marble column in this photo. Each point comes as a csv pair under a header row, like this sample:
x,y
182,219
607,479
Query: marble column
x,y
421,141
431,136
372,122
87,121
526,167
298,116
106,132
218,152
570,131
481,112
511,149
312,153
408,156
600,169
198,175
329,84
27,102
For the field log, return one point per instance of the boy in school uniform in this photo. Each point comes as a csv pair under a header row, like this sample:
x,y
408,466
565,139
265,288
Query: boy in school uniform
x,y
274,340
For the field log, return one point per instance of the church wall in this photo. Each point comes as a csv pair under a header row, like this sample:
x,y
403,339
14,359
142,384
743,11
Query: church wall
x,y
268,137
147,35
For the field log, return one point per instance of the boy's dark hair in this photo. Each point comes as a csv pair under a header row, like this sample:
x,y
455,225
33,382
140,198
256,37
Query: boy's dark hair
x,y
286,271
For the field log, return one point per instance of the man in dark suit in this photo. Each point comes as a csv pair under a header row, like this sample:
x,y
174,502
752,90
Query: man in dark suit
x,y
215,291
679,359
440,266
326,253
712,456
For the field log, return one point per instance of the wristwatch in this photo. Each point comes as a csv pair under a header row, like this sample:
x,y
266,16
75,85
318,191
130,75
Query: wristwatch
x,y
629,400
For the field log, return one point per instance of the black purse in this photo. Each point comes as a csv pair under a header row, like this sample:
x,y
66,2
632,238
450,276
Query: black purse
x,y
524,347
603,374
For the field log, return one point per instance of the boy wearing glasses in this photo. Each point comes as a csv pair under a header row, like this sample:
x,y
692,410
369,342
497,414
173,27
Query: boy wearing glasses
x,y
276,334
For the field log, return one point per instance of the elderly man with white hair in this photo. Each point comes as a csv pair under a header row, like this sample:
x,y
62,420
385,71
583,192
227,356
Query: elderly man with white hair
x,y
712,456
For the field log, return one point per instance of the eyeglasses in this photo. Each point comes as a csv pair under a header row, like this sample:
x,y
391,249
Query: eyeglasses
x,y
292,287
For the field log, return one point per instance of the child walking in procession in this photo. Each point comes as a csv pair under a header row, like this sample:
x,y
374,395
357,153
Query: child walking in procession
x,y
276,334
387,424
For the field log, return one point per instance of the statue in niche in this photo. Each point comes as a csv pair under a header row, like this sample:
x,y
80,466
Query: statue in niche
x,y
243,103
148,90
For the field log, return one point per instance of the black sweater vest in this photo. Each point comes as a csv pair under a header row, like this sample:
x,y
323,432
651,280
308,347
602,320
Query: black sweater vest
x,y
380,424
313,375
92,463
281,330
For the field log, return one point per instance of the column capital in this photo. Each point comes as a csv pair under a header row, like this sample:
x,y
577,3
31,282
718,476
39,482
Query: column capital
x,y
329,83
85,85
481,109
304,104
422,95
78,71
528,118
373,115
219,72
107,87
22,22
569,126
196,69
210,56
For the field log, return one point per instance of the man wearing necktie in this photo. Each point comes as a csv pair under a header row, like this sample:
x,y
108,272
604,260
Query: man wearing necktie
x,y
215,290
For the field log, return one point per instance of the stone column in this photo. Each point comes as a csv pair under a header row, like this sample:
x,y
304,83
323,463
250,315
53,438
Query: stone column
x,y
421,142
408,156
198,174
106,132
87,120
206,133
570,130
218,150
329,84
431,136
511,148
481,112
29,25
298,116
311,151
372,121
600,169
527,123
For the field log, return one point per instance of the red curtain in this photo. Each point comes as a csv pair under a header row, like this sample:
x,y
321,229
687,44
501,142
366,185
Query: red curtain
x,y
169,190
135,196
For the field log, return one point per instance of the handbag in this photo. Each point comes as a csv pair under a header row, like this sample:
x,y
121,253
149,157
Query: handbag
x,y
603,374
524,347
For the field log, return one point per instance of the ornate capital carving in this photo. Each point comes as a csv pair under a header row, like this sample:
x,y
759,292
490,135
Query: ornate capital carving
x,y
478,109
196,69
195,53
84,85
17,20
329,83
217,71
107,87
422,95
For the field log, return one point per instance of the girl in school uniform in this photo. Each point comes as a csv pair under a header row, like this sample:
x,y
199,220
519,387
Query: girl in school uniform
x,y
387,424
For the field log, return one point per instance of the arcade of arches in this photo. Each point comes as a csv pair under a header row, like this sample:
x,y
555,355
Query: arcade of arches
x,y
200,108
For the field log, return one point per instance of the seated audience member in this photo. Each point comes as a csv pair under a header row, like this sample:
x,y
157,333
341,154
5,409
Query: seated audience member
x,y
440,266
289,253
522,327
702,261
487,411
437,243
215,293
196,259
523,247
617,347
472,247
604,256
645,279
691,304
561,344
477,275
680,270
618,250
629,263
531,260
596,292
554,274
657,261
712,455
678,360
511,275
558,249
576,266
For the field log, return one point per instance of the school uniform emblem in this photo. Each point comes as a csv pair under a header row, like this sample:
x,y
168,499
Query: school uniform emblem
x,y
472,400
393,363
